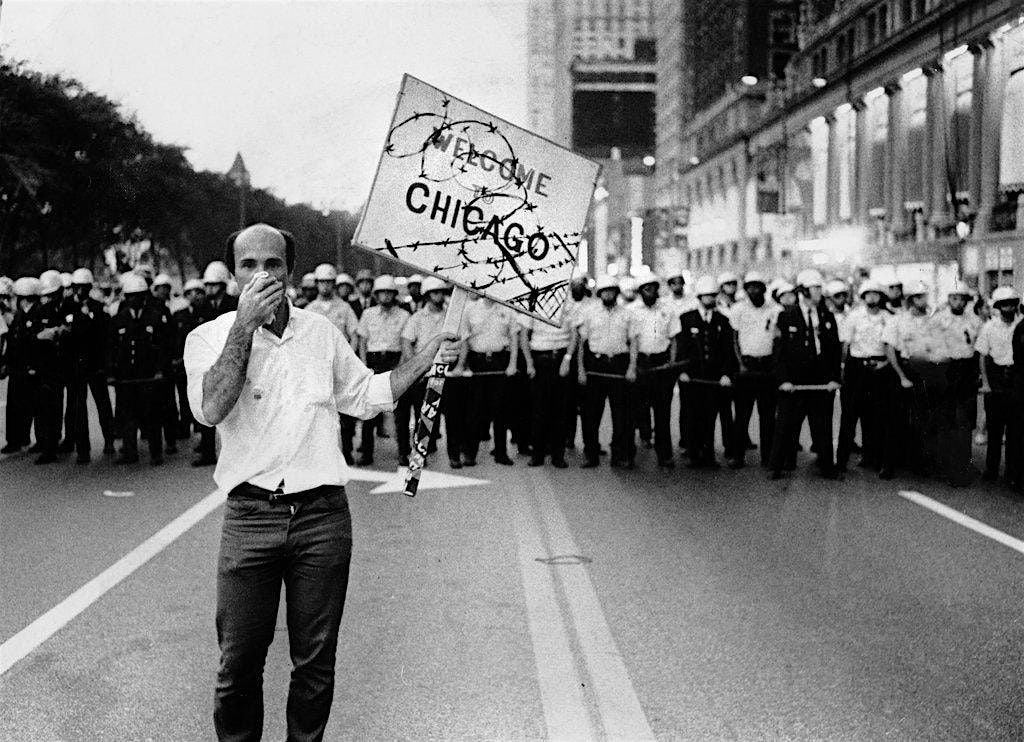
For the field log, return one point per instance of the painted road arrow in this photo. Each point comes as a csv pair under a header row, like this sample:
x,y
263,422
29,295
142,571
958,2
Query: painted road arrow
x,y
394,481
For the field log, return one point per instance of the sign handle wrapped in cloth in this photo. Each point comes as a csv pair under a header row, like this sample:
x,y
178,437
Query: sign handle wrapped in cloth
x,y
432,398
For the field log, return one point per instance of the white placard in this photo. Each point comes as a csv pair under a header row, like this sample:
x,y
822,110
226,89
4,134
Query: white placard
x,y
477,201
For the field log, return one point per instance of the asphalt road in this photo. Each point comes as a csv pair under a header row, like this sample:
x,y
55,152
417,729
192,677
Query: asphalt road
x,y
541,603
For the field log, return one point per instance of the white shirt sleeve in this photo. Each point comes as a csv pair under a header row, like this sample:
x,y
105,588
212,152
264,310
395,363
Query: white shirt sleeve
x,y
357,390
199,358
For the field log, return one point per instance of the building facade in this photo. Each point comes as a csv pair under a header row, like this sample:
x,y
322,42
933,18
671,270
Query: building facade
x,y
893,141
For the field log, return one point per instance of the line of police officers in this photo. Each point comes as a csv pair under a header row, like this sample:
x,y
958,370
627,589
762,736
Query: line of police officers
x,y
907,377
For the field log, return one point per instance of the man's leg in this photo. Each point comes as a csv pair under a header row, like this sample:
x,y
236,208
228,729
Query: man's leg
x,y
593,410
623,435
746,391
316,579
249,571
767,399
543,418
787,429
995,424
819,407
78,395
19,415
101,398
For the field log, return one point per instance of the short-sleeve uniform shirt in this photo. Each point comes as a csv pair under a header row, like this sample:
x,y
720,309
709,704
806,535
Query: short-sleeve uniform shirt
x,y
383,329
606,331
654,327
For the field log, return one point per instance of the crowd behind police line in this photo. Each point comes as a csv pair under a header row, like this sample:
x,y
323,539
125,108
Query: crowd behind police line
x,y
907,375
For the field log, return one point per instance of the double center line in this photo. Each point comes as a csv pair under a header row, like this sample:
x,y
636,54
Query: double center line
x,y
585,688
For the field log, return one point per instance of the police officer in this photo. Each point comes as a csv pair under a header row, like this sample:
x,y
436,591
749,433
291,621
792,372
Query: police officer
x,y
185,320
995,348
728,286
140,359
807,352
656,328
837,294
380,349
332,306
344,287
753,321
491,348
707,354
363,298
422,326
609,350
45,362
307,291
914,354
866,375
85,341
958,409
680,303
23,383
218,301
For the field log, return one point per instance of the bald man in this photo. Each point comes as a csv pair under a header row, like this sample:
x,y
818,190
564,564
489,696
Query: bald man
x,y
273,378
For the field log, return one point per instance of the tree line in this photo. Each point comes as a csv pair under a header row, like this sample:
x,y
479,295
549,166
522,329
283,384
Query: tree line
x,y
77,176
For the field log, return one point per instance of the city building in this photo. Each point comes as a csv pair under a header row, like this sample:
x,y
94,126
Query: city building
x,y
892,143
592,75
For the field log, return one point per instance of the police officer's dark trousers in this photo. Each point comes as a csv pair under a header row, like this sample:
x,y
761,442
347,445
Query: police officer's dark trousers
x,y
78,397
616,392
792,408
142,406
866,380
48,406
305,543
704,402
653,393
756,386
549,401
22,392
381,362
454,407
1000,421
958,414
488,400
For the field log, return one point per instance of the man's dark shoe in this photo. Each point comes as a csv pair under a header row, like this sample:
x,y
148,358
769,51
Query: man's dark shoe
x,y
203,461
364,460
46,458
559,463
734,463
35,448
776,474
990,476
589,463
127,459
602,452
83,458
502,459
536,461
10,448
66,446
667,464
108,449
156,461
454,464
468,461
887,474
171,448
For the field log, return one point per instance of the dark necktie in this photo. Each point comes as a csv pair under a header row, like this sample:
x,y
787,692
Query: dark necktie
x,y
810,334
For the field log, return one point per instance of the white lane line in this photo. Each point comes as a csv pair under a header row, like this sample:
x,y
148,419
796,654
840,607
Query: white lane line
x,y
622,716
561,692
48,624
965,520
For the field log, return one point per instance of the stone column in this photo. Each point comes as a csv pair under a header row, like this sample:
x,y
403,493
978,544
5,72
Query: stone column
x,y
862,175
992,85
936,184
896,161
832,169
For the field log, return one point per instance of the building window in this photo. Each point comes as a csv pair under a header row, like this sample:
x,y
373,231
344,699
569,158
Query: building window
x,y
782,28
779,62
851,42
840,49
883,21
906,12
871,29
920,8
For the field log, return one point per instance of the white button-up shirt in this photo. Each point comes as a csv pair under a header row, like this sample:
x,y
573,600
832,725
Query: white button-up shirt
x,y
339,312
284,425
490,328
545,337
958,332
755,327
383,329
654,327
996,340
423,326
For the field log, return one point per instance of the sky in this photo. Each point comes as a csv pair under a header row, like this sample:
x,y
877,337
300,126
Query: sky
x,y
304,90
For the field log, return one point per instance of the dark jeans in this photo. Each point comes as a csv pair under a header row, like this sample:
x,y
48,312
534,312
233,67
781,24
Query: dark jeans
x,y
868,393
654,393
756,386
262,546
380,363
78,398
549,402
617,393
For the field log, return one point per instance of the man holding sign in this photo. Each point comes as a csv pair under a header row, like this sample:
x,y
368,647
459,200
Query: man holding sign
x,y
273,379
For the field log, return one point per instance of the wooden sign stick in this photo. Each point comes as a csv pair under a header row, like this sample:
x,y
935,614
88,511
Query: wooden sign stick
x,y
432,398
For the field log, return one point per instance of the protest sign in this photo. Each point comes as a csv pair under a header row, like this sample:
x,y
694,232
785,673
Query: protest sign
x,y
478,202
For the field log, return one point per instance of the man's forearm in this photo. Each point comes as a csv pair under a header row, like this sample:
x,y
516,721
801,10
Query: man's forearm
x,y
222,384
408,373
